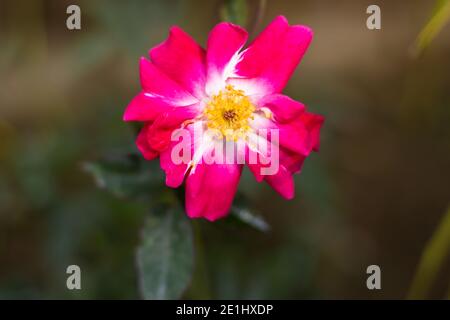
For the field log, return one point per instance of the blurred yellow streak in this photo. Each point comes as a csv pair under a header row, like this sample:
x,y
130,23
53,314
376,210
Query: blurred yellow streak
x,y
438,20
433,257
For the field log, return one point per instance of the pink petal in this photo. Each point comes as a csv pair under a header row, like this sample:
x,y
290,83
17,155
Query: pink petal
x,y
210,190
255,168
142,144
156,82
182,60
145,107
161,130
174,171
291,161
224,42
295,137
283,108
301,135
313,123
274,54
282,182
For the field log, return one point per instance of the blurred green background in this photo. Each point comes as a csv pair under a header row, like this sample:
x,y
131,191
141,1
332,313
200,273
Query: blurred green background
x,y
374,194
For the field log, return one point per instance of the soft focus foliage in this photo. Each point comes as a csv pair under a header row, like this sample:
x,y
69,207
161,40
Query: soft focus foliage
x,y
165,257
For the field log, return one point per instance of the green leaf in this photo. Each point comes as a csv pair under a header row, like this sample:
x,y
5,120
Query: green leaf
x,y
126,176
234,11
439,18
433,258
165,256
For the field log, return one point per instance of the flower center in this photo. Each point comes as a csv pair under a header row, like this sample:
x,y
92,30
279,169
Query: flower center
x,y
228,113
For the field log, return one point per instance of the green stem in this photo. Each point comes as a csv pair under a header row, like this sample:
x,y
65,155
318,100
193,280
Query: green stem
x,y
202,286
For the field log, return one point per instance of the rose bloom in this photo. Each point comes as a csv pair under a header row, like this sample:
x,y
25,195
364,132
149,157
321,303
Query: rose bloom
x,y
233,92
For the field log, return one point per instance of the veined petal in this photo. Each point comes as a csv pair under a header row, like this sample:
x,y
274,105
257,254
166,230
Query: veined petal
x,y
274,54
182,60
210,190
224,42
156,82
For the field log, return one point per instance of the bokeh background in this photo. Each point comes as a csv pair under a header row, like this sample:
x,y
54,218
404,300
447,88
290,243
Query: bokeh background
x,y
374,194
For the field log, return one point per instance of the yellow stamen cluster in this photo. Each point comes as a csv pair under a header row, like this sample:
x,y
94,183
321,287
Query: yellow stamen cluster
x,y
228,113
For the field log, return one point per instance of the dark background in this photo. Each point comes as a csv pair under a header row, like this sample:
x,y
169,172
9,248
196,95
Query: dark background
x,y
374,194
